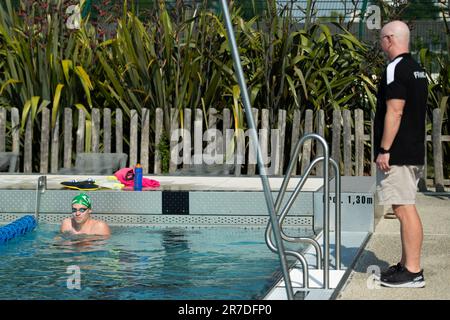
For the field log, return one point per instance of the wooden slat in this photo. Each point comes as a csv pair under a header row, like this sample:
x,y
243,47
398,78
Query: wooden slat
x,y
306,151
198,137
226,143
444,138
159,123
240,152
54,163
359,142
28,146
45,141
174,138
437,151
422,184
145,139
282,130
347,143
67,160
320,118
214,145
431,182
95,130
2,129
187,141
212,118
264,135
251,163
274,152
134,122
15,129
336,137
81,132
107,131
119,131
295,137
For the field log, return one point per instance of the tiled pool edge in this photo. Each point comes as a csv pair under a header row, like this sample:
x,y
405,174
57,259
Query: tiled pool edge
x,y
199,201
173,208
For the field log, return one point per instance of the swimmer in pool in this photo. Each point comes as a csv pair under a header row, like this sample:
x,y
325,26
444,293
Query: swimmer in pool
x,y
81,221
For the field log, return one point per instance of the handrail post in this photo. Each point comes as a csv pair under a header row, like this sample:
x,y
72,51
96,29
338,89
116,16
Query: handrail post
x,y
40,188
326,213
326,205
337,221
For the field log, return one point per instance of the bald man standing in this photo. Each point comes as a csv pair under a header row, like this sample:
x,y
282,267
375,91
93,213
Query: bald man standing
x,y
399,144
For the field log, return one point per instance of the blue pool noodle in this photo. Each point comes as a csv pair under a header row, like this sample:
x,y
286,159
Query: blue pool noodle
x,y
17,228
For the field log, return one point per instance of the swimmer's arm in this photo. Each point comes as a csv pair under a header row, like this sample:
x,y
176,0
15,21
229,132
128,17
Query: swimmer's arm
x,y
66,225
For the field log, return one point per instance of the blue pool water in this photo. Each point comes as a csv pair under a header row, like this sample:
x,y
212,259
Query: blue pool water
x,y
139,263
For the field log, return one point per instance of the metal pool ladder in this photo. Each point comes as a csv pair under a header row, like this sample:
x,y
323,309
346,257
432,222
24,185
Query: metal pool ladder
x,y
274,222
322,260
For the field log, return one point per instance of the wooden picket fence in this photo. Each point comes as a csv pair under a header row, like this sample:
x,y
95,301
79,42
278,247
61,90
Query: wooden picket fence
x,y
348,134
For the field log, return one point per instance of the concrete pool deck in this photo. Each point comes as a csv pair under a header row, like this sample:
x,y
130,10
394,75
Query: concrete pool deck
x,y
384,249
169,183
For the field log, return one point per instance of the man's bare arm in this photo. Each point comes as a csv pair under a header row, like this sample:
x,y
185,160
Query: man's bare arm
x,y
392,122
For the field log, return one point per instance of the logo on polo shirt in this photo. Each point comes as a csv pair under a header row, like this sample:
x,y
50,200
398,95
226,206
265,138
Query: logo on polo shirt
x,y
420,75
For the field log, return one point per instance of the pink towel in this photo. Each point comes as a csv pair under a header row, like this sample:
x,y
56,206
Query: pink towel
x,y
126,176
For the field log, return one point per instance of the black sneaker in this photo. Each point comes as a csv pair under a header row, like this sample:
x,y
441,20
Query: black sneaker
x,y
389,271
402,278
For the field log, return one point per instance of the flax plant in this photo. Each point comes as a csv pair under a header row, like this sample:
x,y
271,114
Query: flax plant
x,y
46,65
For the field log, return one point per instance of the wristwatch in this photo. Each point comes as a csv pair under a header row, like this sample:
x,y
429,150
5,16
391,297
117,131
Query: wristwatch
x,y
383,151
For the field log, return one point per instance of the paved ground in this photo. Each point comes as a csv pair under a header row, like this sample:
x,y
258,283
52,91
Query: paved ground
x,y
384,249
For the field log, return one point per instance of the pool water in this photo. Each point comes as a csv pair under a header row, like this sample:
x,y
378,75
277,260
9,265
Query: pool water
x,y
139,263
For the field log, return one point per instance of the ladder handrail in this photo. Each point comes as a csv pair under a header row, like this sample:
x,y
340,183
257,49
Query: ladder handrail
x,y
283,215
292,199
327,160
41,186
288,206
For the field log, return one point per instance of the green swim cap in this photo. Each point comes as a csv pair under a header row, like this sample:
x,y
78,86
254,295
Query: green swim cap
x,y
82,199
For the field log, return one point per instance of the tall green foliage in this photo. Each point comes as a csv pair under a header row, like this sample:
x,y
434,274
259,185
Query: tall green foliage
x,y
177,57
46,65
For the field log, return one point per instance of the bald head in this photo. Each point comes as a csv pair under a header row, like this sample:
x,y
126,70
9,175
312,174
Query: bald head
x,y
397,33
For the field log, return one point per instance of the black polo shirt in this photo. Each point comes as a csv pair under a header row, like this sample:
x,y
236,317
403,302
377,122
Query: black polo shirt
x,y
403,79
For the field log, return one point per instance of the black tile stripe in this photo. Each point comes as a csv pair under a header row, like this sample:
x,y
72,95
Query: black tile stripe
x,y
175,202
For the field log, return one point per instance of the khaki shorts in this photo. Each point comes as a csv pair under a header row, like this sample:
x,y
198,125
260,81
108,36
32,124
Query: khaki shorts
x,y
398,185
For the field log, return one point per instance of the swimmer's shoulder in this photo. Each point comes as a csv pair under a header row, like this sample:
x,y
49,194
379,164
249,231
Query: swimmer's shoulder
x,y
101,228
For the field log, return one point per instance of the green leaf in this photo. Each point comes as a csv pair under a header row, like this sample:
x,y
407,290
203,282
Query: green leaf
x,y
44,104
7,83
299,74
88,136
56,99
85,82
67,66
370,97
34,106
293,91
81,107
26,110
